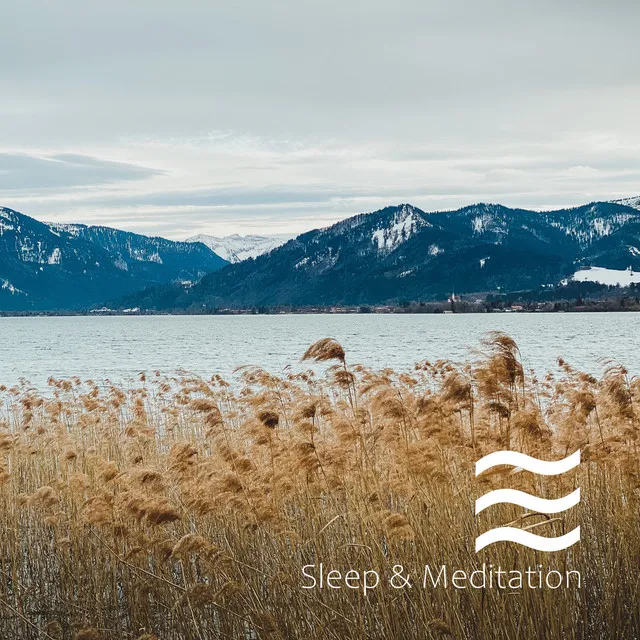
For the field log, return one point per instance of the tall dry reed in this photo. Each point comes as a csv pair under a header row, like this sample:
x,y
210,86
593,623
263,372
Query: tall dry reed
x,y
186,508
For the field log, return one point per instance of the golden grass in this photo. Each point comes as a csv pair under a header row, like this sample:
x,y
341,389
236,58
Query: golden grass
x,y
183,508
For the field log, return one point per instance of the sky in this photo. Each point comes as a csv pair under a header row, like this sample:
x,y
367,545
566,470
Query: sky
x,y
279,116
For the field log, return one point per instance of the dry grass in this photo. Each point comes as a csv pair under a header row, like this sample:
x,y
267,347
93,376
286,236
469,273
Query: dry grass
x,y
184,508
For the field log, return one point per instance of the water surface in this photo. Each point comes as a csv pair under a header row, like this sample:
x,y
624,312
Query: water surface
x,y
119,347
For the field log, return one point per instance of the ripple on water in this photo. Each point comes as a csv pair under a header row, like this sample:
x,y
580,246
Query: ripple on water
x,y
120,347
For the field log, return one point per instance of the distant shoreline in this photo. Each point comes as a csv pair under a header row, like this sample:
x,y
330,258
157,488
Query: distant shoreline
x,y
630,307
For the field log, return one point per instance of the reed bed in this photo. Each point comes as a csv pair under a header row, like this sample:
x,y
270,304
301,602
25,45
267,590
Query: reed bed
x,y
187,508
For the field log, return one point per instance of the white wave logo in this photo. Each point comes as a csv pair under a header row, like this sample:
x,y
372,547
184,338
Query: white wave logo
x,y
526,500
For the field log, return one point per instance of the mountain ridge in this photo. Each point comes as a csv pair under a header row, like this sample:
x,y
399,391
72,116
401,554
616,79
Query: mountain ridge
x,y
633,202
49,266
403,253
235,247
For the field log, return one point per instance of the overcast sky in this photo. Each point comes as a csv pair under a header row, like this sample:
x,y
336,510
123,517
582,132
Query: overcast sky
x,y
267,116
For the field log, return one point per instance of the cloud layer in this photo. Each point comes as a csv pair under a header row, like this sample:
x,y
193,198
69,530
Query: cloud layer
x,y
268,117
21,172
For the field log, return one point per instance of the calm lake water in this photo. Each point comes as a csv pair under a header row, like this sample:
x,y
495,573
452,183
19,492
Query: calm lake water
x,y
119,347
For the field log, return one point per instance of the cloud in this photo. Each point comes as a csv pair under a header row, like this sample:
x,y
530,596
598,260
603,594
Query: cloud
x,y
226,183
217,117
21,171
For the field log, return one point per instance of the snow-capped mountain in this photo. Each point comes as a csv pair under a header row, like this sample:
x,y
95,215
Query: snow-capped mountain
x,y
404,223
60,266
402,253
629,202
235,248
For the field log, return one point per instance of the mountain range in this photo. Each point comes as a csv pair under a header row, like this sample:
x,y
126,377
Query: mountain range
x,y
236,248
71,266
402,253
394,254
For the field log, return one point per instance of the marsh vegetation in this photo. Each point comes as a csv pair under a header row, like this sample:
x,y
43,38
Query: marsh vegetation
x,y
185,507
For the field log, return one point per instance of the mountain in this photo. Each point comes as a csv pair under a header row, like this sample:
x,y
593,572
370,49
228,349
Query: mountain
x,y
59,266
629,202
236,248
402,253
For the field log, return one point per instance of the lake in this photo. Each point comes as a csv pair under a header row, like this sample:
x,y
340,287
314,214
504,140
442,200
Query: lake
x,y
119,347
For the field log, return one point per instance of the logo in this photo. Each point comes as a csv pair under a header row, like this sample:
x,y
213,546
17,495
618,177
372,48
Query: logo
x,y
527,501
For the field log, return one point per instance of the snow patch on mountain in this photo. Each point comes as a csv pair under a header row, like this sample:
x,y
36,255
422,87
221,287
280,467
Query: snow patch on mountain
x,y
5,222
405,222
5,226
7,286
30,252
54,258
589,229
145,254
235,248
480,223
121,264
8,221
602,227
63,227
487,218
629,202
611,277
